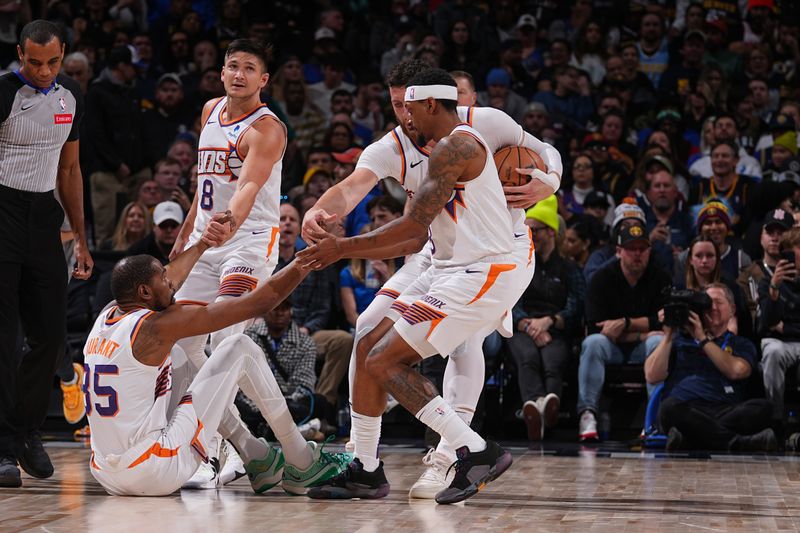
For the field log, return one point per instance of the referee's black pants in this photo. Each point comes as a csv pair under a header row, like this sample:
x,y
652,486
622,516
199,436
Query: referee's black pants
x,y
33,291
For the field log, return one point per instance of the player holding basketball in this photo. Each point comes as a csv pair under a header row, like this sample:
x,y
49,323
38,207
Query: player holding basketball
x,y
478,273
402,155
151,422
238,169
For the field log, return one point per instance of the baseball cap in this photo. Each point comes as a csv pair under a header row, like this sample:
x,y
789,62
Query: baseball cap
x,y
498,76
632,234
660,159
711,210
526,20
545,211
120,54
628,209
535,107
761,3
167,211
324,33
169,76
695,34
313,171
597,199
779,217
594,139
348,157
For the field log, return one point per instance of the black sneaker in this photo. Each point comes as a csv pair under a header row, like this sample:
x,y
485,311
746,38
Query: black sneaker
x,y
353,482
473,471
763,441
9,473
674,440
32,457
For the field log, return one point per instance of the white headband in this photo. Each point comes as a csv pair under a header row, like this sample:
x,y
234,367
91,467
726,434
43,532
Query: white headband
x,y
423,92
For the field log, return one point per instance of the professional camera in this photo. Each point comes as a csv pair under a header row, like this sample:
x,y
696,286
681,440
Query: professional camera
x,y
680,302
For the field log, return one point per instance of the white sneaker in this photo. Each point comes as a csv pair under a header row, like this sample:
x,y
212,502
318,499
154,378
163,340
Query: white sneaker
x,y
549,407
206,476
435,478
587,430
532,415
350,446
233,468
310,428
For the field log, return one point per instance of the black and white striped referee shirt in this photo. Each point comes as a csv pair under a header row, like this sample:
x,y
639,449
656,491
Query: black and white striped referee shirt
x,y
34,125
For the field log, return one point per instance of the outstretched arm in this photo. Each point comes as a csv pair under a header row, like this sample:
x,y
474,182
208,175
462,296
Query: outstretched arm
x,y
448,162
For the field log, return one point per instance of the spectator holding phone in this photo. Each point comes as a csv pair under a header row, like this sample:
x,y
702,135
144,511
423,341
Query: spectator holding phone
x,y
779,320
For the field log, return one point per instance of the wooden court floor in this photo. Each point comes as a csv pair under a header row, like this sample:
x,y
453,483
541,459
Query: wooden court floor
x,y
543,491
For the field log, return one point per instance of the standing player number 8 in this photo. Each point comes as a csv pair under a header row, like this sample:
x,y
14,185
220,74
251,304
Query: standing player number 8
x,y
207,195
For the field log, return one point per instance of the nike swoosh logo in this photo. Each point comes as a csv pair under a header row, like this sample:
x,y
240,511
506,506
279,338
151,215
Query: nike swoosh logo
x,y
260,232
468,271
518,235
24,108
415,164
211,122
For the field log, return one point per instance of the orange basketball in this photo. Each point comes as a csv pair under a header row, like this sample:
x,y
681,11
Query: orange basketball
x,y
510,158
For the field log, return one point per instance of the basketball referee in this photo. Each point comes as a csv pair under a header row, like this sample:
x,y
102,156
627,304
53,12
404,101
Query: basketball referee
x,y
40,113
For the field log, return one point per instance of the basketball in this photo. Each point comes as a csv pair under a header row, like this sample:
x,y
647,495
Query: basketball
x,y
510,158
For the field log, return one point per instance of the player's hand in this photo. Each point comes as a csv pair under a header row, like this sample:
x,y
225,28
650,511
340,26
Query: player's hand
x,y
327,251
536,190
220,228
316,225
83,261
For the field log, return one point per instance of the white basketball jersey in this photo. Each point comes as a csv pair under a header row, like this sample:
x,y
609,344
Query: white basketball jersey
x,y
397,156
218,167
475,223
126,401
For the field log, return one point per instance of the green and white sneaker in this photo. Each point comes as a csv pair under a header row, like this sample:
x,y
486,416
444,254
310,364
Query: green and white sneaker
x,y
267,472
325,466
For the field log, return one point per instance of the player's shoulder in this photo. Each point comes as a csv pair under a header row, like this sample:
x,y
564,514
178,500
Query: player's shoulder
x,y
211,104
389,142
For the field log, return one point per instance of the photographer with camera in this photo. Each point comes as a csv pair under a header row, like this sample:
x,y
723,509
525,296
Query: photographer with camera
x,y
779,320
621,311
704,368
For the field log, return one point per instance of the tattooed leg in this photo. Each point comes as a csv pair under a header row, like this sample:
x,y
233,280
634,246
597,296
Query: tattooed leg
x,y
369,397
389,363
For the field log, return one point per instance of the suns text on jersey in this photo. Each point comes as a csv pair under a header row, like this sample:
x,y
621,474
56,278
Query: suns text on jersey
x,y
213,162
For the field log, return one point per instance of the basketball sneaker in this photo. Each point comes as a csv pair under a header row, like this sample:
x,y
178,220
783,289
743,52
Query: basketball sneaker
x,y
233,468
587,429
325,466
473,470
74,409
206,476
436,477
353,482
267,472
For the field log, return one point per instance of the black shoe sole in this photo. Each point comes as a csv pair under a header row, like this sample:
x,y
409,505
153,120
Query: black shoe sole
x,y
350,492
502,464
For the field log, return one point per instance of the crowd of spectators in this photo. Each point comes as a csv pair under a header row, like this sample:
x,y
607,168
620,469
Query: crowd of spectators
x,y
676,121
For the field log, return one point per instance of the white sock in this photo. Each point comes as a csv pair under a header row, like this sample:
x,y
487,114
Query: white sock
x,y
441,418
246,444
464,413
294,446
367,435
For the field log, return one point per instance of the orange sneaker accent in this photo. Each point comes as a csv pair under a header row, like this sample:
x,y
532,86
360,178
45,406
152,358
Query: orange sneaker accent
x,y
74,408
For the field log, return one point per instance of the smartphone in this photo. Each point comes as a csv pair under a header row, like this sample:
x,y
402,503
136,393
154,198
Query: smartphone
x,y
788,255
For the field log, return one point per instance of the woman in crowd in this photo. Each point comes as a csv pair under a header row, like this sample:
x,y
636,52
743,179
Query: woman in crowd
x,y
134,224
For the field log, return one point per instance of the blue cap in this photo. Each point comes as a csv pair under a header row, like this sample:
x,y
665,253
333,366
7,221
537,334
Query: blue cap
x,y
498,76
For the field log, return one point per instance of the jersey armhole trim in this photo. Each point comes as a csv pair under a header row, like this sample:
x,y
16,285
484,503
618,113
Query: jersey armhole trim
x,y
402,156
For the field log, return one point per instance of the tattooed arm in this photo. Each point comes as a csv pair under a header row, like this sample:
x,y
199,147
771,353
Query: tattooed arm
x,y
450,161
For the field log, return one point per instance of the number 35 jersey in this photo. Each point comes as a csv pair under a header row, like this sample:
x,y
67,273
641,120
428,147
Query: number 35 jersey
x,y
126,401
219,163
